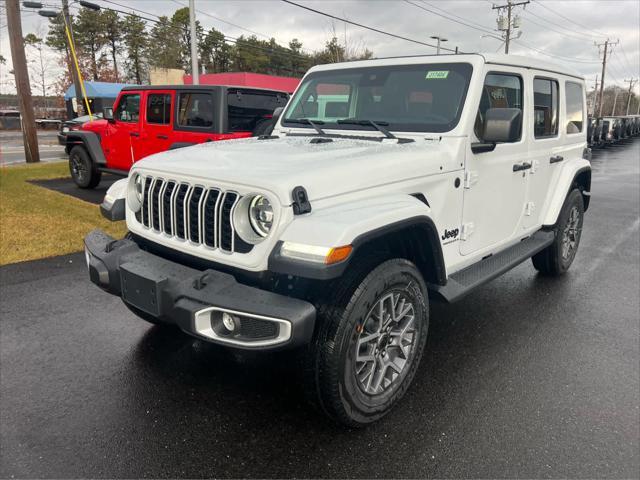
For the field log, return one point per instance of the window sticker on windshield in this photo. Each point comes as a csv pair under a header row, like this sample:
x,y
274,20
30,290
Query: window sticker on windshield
x,y
437,74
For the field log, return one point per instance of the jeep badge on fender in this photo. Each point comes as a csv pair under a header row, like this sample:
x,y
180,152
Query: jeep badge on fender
x,y
331,234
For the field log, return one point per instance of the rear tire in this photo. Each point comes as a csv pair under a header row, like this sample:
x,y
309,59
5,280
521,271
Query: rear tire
x,y
369,342
558,257
83,170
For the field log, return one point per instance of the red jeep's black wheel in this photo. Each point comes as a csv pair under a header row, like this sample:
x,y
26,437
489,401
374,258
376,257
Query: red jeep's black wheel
x,y
82,169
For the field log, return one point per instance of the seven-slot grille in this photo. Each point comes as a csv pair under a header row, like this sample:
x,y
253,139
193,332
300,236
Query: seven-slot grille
x,y
189,212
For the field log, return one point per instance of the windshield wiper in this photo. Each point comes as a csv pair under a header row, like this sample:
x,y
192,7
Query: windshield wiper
x,y
379,125
306,121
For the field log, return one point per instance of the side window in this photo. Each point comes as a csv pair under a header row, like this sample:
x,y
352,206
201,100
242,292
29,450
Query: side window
x,y
575,108
500,90
545,104
129,108
159,108
247,109
195,110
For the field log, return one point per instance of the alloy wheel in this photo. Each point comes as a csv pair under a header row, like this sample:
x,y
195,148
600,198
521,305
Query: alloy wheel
x,y
385,344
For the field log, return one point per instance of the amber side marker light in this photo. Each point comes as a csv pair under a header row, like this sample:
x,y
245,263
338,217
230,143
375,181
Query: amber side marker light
x,y
338,254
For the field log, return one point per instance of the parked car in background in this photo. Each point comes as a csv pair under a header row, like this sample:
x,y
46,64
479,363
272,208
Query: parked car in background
x,y
151,119
74,125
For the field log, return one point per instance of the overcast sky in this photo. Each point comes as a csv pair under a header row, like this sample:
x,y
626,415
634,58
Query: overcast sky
x,y
566,29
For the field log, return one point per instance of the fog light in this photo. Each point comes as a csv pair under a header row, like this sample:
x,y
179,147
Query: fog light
x,y
229,321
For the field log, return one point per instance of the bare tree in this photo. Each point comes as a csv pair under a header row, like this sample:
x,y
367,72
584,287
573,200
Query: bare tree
x,y
39,64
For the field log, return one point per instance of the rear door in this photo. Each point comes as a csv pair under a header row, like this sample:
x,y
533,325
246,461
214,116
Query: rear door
x,y
546,147
124,134
156,133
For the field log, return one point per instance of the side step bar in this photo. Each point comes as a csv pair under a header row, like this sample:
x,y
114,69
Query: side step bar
x,y
465,281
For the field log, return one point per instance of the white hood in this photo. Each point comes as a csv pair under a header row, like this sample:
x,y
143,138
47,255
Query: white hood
x,y
323,169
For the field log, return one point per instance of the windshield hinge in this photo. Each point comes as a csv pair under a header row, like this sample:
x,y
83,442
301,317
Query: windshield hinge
x,y
470,178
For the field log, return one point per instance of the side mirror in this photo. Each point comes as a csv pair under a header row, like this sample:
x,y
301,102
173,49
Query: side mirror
x,y
502,125
107,114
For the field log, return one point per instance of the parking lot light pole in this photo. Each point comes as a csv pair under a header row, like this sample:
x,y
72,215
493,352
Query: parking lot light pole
x,y
194,43
439,39
23,89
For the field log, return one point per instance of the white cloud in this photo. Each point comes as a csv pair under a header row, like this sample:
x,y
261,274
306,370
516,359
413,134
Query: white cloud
x,y
618,19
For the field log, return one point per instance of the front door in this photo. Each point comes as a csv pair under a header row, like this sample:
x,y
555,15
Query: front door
x,y
495,194
124,134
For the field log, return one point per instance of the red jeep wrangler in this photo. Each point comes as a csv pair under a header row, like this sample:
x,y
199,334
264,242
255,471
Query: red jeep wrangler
x,y
170,117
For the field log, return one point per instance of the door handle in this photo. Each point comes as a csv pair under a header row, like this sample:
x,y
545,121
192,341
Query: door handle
x,y
518,167
556,159
162,137
134,134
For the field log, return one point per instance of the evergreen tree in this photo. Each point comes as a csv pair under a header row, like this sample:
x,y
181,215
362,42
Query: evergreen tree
x,y
113,36
136,44
90,39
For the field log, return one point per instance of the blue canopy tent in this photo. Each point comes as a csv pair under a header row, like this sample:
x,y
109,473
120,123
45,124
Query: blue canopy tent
x,y
99,94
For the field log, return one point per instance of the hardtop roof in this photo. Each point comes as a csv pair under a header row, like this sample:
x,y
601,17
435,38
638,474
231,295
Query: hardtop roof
x,y
200,87
473,58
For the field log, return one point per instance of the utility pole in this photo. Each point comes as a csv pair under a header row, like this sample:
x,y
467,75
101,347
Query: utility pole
x,y
512,22
615,100
595,97
439,39
74,73
194,43
29,134
631,82
607,48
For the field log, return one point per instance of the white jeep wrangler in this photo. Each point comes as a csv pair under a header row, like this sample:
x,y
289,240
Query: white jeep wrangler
x,y
417,179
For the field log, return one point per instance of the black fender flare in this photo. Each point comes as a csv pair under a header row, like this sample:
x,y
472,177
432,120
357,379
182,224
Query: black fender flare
x,y
91,143
424,224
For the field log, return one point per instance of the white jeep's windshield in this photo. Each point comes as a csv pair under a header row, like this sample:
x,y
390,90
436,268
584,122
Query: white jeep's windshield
x,y
405,98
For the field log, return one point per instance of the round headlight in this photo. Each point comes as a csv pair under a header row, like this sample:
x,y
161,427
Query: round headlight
x,y
261,215
253,218
137,183
135,192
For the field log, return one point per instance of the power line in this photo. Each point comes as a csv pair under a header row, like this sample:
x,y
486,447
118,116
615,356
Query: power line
x,y
482,29
569,20
457,16
400,37
224,21
544,52
565,33
563,27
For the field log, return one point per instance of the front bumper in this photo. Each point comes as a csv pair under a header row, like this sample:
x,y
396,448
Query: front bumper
x,y
197,301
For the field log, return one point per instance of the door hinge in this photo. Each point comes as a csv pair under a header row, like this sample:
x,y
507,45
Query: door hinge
x,y
534,166
467,230
470,178
529,208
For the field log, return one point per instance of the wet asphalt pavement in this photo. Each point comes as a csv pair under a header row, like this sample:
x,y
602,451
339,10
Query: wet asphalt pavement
x,y
527,377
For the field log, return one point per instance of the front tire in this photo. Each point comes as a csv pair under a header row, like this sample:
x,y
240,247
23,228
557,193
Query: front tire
x,y
558,257
370,341
83,170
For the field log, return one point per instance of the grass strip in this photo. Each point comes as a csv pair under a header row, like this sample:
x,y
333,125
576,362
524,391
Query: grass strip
x,y
36,222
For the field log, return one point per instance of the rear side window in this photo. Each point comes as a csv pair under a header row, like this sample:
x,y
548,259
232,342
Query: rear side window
x,y
245,108
500,90
575,107
129,108
159,108
545,101
195,110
